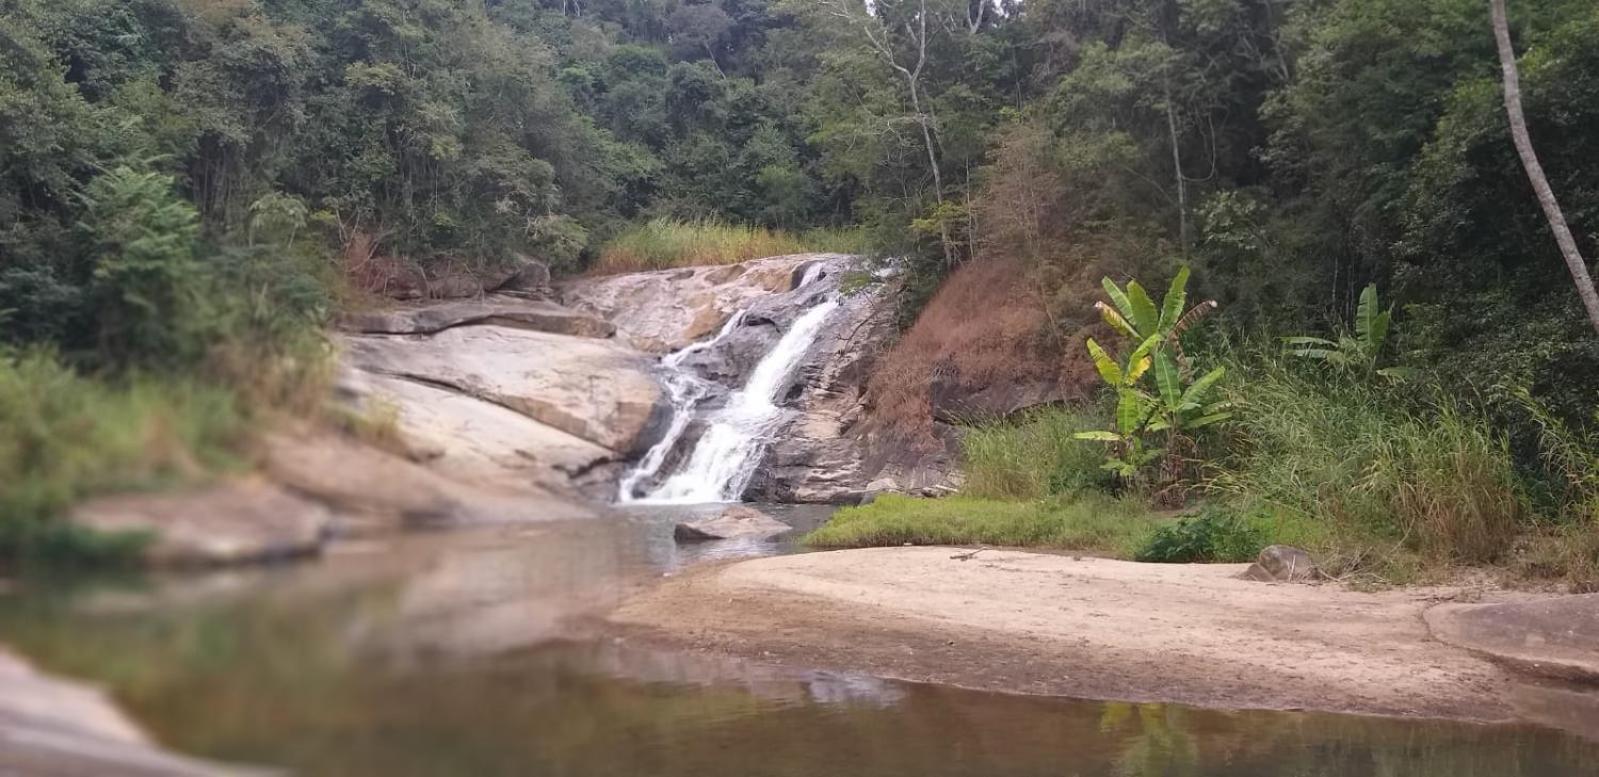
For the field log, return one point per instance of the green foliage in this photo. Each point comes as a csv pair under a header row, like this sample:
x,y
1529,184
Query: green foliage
x,y
1088,522
1034,457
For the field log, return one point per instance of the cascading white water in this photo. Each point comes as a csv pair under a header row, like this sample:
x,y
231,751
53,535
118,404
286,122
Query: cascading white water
x,y
726,457
685,390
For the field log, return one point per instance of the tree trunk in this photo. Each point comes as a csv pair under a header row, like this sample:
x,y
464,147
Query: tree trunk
x,y
1177,171
1529,160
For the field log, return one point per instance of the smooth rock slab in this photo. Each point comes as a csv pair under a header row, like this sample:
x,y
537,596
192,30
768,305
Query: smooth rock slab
x,y
236,522
732,523
1553,637
596,390
496,310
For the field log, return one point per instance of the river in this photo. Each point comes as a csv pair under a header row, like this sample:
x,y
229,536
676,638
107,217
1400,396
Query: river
x,y
476,653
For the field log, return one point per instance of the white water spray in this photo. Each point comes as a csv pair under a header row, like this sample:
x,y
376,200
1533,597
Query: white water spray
x,y
685,390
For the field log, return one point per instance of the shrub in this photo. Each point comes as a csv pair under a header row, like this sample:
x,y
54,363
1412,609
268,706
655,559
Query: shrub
x,y
69,437
1034,457
1212,535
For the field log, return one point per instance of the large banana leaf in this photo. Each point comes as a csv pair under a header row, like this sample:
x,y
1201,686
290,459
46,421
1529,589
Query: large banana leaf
x,y
1169,380
1107,367
1124,306
1194,397
1116,320
1371,322
1138,362
1132,411
1144,316
1176,300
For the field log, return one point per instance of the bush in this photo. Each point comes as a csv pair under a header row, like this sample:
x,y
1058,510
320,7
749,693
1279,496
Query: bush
x,y
69,437
1034,457
1212,535
1089,523
1436,479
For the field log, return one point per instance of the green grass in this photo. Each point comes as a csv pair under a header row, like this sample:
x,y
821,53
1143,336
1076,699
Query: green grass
x,y
662,244
1432,478
69,437
1092,522
1034,457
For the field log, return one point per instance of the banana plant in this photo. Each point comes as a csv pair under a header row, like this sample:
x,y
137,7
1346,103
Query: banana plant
x,y
1360,351
1178,404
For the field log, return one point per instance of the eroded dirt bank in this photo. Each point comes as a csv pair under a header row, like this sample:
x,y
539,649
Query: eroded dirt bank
x,y
1060,625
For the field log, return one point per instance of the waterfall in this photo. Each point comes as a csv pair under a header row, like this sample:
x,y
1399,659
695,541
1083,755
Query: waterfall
x,y
724,460
684,390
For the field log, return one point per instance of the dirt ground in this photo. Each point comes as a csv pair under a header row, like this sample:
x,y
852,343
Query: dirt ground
x,y
1085,627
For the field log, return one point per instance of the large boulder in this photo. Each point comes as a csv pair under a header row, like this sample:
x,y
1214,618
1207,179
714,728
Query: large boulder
x,y
668,310
510,312
1283,564
235,522
470,439
598,391
733,523
378,489
529,277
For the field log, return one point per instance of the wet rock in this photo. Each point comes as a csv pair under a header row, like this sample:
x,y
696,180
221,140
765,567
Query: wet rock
x,y
427,319
1283,564
595,390
237,522
734,522
54,727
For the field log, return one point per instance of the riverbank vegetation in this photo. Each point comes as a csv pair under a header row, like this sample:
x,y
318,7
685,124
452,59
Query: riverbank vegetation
x,y
661,244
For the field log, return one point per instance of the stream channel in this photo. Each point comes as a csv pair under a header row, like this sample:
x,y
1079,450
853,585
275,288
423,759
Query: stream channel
x,y
477,653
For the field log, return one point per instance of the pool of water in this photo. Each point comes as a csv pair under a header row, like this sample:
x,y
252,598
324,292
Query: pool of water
x,y
470,653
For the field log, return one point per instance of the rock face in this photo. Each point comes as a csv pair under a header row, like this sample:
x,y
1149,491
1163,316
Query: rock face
x,y
1283,564
668,310
732,523
236,522
594,390
52,728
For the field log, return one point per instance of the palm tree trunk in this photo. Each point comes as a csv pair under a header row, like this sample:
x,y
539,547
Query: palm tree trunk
x,y
1529,160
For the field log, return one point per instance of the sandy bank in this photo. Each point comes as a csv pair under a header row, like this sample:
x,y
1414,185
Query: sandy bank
x,y
1095,628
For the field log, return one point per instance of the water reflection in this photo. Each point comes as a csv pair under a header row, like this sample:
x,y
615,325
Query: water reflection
x,y
453,655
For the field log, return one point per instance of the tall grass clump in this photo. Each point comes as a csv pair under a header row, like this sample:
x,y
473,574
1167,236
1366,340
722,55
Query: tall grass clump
x,y
68,437
1035,456
1090,522
661,244
1423,474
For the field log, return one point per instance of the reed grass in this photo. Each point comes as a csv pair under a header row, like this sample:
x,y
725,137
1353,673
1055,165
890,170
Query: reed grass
x,y
661,244
1089,522
1035,456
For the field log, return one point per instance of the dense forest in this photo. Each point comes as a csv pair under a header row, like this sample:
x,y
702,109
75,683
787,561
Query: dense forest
x,y
192,186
